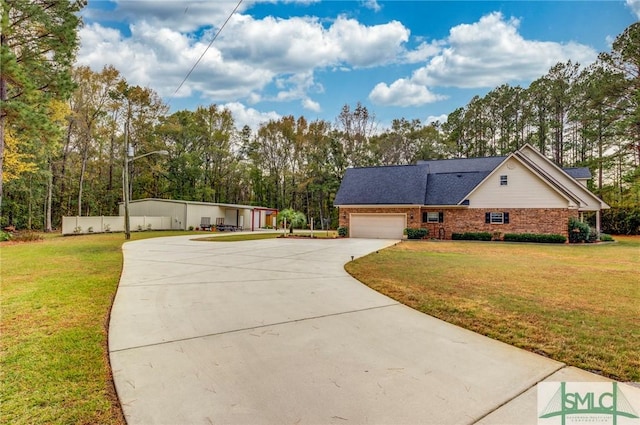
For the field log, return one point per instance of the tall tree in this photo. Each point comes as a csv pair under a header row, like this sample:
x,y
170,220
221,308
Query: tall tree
x,y
89,125
596,95
355,129
38,42
625,59
216,132
560,77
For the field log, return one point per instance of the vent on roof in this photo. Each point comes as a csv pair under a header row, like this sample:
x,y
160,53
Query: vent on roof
x,y
459,175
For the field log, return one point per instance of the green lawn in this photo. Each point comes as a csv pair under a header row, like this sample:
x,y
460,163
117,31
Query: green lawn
x,y
55,302
579,304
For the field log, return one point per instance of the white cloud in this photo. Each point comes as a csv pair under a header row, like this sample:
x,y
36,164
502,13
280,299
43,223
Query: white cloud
x,y
281,45
487,53
180,16
423,52
402,93
248,57
311,105
372,4
437,118
249,116
160,58
365,46
296,86
491,52
634,5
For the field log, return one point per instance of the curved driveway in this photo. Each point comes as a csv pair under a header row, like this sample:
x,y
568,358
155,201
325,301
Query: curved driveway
x,y
276,332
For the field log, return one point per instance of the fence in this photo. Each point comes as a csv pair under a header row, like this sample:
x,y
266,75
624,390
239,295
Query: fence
x,y
102,224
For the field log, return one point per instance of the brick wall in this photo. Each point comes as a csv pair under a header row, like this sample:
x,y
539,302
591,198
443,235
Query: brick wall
x,y
459,220
521,220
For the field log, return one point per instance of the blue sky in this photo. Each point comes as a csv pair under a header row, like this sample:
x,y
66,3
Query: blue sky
x,y
411,59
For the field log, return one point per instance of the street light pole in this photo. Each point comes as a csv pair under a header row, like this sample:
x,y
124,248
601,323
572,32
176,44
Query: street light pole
x,y
127,159
125,183
127,229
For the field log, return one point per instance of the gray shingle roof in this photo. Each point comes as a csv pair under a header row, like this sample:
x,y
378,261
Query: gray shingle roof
x,y
451,188
578,172
437,182
402,184
462,165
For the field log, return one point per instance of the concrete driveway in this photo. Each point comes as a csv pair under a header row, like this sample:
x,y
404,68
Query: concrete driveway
x,y
276,332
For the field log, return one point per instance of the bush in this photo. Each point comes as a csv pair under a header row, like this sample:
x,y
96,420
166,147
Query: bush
x,y
4,236
621,221
27,236
606,238
578,231
343,231
416,233
593,235
471,236
534,237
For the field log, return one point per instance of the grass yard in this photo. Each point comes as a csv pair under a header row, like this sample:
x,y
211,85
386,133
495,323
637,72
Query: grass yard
x,y
55,302
579,304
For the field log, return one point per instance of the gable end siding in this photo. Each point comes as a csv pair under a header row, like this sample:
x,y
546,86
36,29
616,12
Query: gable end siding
x,y
525,190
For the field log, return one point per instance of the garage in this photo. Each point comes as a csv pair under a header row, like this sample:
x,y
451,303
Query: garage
x,y
377,226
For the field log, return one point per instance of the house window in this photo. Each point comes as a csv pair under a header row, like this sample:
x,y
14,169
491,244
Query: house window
x,y
496,218
433,217
503,180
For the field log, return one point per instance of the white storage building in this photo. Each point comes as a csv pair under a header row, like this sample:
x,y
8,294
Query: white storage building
x,y
185,214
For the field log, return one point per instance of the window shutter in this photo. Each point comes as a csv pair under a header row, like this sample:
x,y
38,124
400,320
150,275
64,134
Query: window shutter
x,y
487,218
441,217
506,217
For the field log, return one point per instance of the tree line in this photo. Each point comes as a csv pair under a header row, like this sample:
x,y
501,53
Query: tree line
x,y
65,133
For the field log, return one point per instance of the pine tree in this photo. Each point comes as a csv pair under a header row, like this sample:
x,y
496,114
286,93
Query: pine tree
x,y
38,42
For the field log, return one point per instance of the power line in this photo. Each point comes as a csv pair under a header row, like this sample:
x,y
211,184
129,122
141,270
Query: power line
x,y
205,50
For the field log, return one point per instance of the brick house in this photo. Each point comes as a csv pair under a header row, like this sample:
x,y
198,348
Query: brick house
x,y
523,192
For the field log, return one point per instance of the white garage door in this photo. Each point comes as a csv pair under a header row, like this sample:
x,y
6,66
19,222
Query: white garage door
x,y
377,226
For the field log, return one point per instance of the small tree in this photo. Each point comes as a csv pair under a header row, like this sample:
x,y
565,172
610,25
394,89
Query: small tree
x,y
293,218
